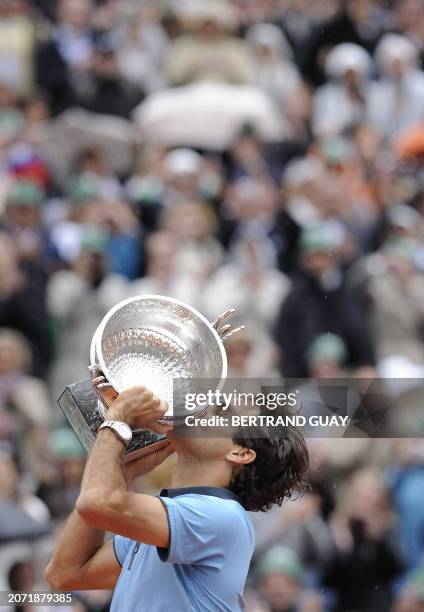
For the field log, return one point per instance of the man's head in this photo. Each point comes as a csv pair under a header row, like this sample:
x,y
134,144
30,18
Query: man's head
x,y
23,204
280,578
75,13
160,248
261,471
318,246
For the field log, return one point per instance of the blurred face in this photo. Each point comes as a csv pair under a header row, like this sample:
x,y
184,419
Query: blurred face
x,y
161,255
368,496
280,591
23,216
75,13
316,263
408,601
325,368
105,65
189,221
257,203
10,360
72,470
408,13
209,30
352,79
397,68
185,183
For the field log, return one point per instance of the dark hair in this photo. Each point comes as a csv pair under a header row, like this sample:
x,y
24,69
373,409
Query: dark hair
x,y
277,472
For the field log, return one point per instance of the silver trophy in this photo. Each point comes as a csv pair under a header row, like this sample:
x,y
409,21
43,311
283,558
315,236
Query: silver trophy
x,y
152,341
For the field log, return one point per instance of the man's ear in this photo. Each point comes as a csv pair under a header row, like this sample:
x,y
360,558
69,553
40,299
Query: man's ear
x,y
241,456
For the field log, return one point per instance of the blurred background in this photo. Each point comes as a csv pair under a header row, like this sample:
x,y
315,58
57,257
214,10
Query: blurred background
x,y
266,155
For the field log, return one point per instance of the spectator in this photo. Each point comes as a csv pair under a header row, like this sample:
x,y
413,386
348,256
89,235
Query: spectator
x,y
405,476
142,50
211,52
321,301
23,221
24,395
193,224
342,103
274,70
61,492
366,558
23,302
13,490
62,63
396,288
397,100
280,582
162,275
17,38
78,299
249,284
107,92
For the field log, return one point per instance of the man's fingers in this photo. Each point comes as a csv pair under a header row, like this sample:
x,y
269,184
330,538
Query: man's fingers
x,y
151,403
161,428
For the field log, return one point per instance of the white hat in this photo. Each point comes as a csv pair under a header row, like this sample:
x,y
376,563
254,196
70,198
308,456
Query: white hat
x,y
218,11
395,47
347,56
269,35
183,161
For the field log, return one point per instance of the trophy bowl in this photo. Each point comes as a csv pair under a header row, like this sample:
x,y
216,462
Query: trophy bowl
x,y
154,341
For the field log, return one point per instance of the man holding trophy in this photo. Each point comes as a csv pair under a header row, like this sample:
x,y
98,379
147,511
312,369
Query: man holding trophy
x,y
190,547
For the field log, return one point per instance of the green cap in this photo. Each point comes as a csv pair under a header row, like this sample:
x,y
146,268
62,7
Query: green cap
x,y
93,239
85,187
281,560
25,193
318,238
327,347
336,149
65,444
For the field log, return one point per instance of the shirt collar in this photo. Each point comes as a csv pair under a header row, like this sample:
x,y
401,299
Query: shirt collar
x,y
212,491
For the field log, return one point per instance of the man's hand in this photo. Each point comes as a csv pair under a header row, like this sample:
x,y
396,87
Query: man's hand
x,y
138,407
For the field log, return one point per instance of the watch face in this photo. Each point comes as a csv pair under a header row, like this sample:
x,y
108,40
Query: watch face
x,y
124,431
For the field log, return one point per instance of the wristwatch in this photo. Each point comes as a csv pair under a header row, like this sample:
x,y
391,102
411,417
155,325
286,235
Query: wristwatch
x,y
121,430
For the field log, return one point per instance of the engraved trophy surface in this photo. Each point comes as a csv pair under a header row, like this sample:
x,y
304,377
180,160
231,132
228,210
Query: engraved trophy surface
x,y
149,340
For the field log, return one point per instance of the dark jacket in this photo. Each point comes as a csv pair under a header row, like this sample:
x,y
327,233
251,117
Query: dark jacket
x,y
309,311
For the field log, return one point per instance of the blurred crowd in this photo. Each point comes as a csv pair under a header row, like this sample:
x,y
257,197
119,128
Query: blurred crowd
x,y
265,155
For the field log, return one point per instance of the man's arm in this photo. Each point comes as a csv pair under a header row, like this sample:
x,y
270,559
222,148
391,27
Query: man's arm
x,y
106,503
81,559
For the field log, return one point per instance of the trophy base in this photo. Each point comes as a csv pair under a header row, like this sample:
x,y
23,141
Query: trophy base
x,y
79,404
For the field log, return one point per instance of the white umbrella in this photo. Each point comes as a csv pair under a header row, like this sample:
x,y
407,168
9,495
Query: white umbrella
x,y
208,115
77,129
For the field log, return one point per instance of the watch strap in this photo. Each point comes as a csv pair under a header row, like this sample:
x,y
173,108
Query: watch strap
x,y
113,426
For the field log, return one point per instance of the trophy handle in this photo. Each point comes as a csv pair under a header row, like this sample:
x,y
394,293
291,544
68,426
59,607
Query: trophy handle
x,y
226,331
106,392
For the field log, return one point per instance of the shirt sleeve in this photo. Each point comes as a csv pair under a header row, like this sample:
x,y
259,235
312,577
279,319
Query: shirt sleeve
x,y
202,530
121,546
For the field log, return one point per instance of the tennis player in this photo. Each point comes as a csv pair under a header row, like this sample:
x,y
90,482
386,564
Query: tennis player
x,y
189,548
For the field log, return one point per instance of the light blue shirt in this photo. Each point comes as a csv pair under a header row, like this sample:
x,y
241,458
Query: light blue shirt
x,y
204,569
